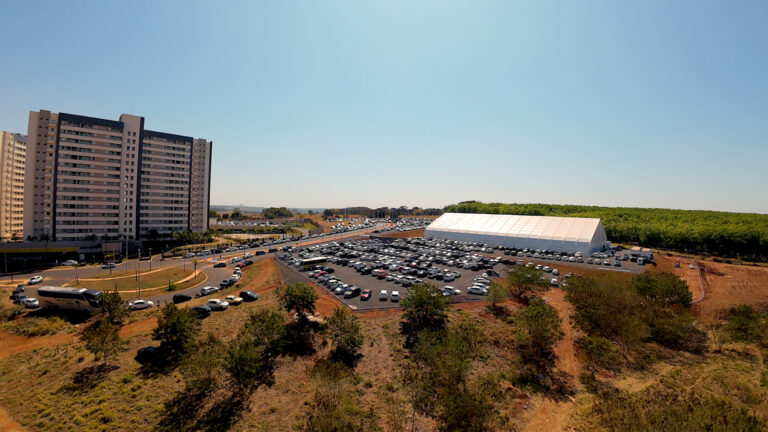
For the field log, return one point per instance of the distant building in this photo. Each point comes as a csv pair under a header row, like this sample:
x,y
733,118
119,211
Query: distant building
x,y
561,234
13,156
110,179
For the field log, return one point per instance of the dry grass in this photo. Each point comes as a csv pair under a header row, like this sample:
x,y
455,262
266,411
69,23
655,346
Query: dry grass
x,y
150,281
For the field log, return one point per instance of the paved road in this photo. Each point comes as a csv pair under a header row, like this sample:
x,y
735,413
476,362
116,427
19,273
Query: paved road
x,y
61,275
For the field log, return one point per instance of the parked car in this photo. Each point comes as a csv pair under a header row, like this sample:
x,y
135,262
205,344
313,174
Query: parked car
x,y
30,303
226,283
217,305
181,298
35,280
189,255
365,295
450,290
353,291
207,290
202,311
235,277
107,266
233,300
553,281
148,354
220,264
249,296
477,290
395,297
69,263
140,304
383,295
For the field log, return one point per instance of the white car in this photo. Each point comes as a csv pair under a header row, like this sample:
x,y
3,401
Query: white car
x,y
383,295
69,263
395,297
233,300
235,277
140,304
30,303
208,290
189,255
553,281
35,280
477,290
216,304
449,290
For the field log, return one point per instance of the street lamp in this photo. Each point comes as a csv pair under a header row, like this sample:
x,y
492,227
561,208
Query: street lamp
x,y
150,259
138,271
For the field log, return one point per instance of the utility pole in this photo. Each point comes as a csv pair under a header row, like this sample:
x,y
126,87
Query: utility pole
x,y
138,271
76,278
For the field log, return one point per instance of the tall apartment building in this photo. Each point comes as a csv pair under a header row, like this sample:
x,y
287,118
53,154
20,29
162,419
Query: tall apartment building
x,y
13,157
90,177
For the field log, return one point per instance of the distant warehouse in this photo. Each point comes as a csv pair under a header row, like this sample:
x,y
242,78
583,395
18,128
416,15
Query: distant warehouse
x,y
562,234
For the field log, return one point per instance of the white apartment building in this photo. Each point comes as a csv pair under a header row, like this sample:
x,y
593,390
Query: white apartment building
x,y
96,178
13,155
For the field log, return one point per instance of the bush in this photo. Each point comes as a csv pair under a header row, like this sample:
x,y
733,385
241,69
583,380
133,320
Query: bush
x,y
176,330
665,410
334,406
745,324
600,353
346,337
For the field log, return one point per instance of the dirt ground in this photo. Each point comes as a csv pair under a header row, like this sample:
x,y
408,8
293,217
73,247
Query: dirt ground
x,y
724,284
405,234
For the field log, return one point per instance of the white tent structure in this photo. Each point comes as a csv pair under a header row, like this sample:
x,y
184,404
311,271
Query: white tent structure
x,y
562,234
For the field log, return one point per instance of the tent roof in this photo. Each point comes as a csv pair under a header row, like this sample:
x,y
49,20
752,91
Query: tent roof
x,y
532,227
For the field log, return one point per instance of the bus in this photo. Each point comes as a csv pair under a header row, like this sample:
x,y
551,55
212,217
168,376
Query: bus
x,y
69,299
308,263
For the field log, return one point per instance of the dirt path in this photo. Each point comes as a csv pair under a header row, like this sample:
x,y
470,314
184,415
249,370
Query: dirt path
x,y
11,344
550,415
7,424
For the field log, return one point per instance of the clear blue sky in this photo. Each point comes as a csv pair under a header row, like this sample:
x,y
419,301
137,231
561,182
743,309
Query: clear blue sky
x,y
336,103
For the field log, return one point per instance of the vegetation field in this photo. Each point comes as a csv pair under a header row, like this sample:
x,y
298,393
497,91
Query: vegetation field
x,y
742,235
150,281
610,352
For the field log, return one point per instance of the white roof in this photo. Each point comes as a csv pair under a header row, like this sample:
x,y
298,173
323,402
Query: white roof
x,y
569,229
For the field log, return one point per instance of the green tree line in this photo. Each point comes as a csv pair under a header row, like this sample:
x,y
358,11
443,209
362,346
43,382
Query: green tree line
x,y
737,235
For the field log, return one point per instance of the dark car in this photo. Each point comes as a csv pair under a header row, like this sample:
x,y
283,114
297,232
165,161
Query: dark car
x,y
202,311
181,298
249,296
259,252
16,293
220,265
353,291
147,354
226,283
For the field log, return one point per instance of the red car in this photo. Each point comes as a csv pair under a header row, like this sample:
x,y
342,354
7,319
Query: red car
x,y
366,294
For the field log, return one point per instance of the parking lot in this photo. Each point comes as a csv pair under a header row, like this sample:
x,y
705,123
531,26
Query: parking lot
x,y
395,264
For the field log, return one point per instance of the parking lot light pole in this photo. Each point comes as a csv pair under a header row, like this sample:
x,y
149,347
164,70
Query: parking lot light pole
x,y
150,259
138,271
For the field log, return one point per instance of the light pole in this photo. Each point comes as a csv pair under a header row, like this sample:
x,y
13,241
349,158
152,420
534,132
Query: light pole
x,y
138,271
77,279
150,259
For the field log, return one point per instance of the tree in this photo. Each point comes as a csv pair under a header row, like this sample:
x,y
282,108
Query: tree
x,y
236,214
113,307
497,294
537,330
299,298
276,212
523,280
439,381
213,213
176,329
202,364
665,288
425,310
102,339
328,213
250,357
346,337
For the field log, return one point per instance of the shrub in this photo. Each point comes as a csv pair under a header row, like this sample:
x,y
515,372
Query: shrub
x,y
600,353
425,310
176,329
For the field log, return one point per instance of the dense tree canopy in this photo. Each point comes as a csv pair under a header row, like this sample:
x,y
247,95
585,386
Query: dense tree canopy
x,y
719,233
276,212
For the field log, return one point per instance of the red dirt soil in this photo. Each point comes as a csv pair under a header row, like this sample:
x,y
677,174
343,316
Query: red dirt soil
x,y
405,234
725,285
